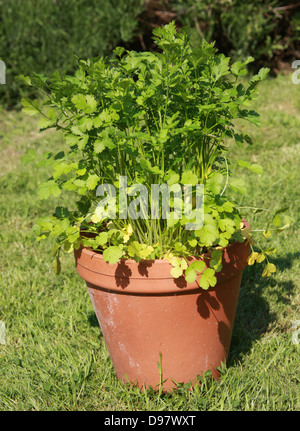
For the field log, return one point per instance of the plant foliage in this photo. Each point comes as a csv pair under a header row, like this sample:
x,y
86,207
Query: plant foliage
x,y
165,117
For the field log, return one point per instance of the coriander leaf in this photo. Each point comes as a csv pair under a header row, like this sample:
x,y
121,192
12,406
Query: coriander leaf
x,y
79,101
112,254
270,268
252,258
102,238
257,169
176,272
92,181
207,279
208,234
188,177
238,185
190,275
216,260
30,107
198,265
215,183
48,188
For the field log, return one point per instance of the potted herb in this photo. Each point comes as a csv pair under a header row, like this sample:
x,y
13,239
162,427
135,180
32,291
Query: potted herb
x,y
159,243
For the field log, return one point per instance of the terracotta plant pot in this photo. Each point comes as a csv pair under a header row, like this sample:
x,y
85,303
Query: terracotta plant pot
x,y
148,318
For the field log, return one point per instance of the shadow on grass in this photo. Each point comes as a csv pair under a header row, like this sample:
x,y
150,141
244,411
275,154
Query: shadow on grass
x,y
253,315
92,319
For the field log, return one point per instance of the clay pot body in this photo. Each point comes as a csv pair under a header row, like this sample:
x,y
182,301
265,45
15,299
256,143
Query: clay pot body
x,y
148,317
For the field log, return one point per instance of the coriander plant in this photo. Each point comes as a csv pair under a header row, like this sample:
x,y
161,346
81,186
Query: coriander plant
x,y
152,118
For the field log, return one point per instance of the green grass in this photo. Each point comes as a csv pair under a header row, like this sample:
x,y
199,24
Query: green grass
x,y
55,357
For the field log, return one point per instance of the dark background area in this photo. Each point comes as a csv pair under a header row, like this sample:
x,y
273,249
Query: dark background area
x,y
42,36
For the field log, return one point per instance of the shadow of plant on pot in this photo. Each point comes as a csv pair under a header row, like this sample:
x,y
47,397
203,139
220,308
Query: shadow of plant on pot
x,y
122,275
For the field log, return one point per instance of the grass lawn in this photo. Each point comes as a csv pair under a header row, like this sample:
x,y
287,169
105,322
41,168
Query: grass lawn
x,y
55,357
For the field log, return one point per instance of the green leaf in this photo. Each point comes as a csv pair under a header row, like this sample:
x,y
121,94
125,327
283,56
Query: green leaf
x,y
85,124
241,137
257,169
251,116
276,220
44,123
49,119
172,178
48,188
270,268
267,234
145,164
281,210
228,207
238,68
238,185
118,51
134,250
207,279
263,73
79,101
216,260
86,103
101,144
227,224
55,249
221,67
209,233
176,272
91,104
198,265
223,241
61,212
68,247
25,79
252,258
102,238
193,242
63,168
92,181
190,275
215,183
112,254
188,177
30,107
82,142
69,185
73,233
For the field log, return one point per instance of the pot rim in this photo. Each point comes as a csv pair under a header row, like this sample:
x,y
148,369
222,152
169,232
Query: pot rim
x,y
153,276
